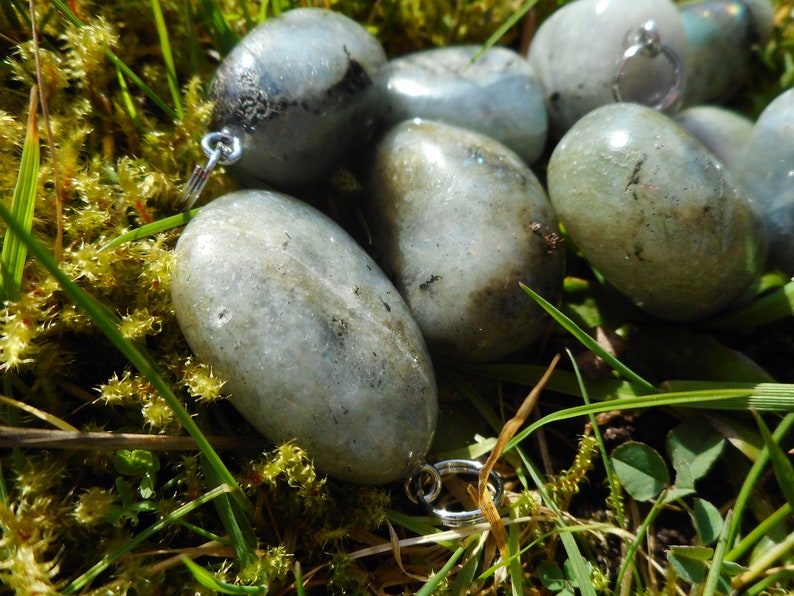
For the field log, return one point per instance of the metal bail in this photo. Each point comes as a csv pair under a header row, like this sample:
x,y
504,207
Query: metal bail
x,y
220,148
425,487
646,41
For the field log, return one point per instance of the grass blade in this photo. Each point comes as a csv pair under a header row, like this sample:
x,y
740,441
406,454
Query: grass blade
x,y
223,36
432,583
728,398
710,588
168,58
107,324
505,27
784,470
591,344
23,201
148,91
161,225
86,578
753,479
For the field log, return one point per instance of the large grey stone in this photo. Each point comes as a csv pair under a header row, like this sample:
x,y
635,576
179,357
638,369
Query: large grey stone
x,y
458,220
654,211
496,94
314,341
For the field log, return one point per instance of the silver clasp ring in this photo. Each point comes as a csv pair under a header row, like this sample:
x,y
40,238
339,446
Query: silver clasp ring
x,y
646,41
425,486
220,148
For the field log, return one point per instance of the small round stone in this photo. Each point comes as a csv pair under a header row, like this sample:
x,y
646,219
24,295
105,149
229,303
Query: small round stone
x,y
779,219
766,169
720,37
497,94
577,50
458,220
655,212
723,132
767,162
300,92
315,343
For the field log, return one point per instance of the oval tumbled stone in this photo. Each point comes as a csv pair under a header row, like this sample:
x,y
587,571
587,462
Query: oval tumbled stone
x,y
458,220
654,211
300,92
576,53
497,94
314,341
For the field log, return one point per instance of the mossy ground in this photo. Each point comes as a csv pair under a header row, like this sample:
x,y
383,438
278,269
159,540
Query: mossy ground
x,y
77,515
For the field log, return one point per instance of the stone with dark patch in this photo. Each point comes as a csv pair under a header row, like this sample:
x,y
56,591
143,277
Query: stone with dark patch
x,y
458,220
300,91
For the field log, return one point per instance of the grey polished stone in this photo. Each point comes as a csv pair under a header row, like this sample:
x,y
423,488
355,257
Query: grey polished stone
x,y
723,132
766,169
458,220
315,343
300,91
655,212
576,53
497,94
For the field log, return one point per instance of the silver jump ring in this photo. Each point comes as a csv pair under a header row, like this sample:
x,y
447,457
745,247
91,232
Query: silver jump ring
x,y
646,41
222,147
416,485
454,519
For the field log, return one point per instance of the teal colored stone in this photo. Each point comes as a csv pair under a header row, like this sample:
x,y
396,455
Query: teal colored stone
x,y
655,212
458,221
720,39
766,169
767,162
497,94
313,340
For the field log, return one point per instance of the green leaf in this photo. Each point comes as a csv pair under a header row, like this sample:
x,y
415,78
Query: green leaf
x,y
136,462
210,581
168,58
161,225
551,575
684,480
695,443
641,470
14,253
588,342
707,521
689,562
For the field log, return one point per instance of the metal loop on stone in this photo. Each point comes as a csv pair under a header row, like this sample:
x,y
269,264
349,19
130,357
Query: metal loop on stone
x,y
646,41
220,148
417,489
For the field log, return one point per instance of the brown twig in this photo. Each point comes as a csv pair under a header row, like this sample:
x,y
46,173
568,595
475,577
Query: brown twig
x,y
509,430
36,438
